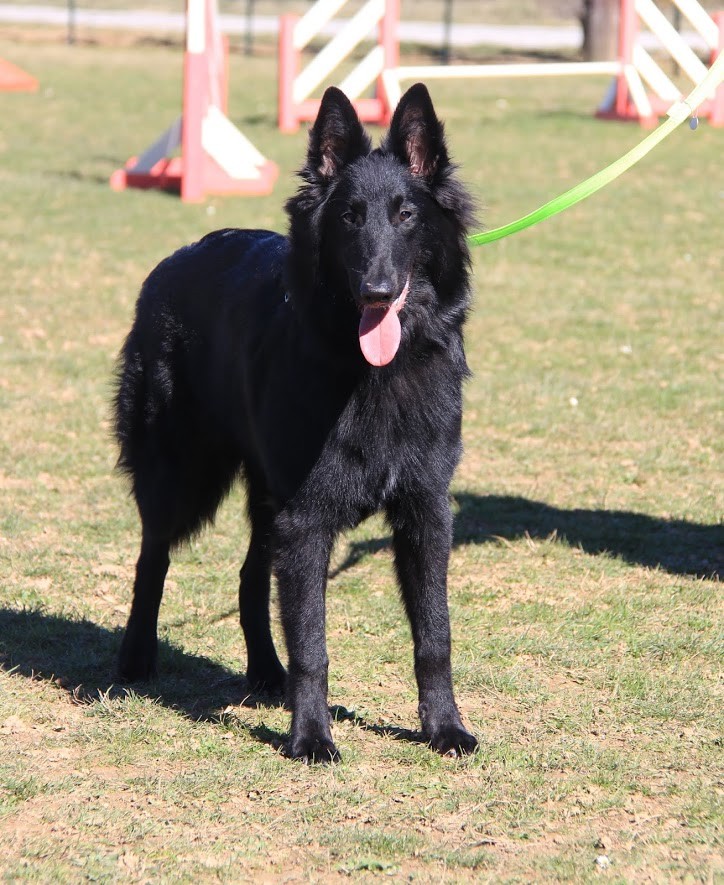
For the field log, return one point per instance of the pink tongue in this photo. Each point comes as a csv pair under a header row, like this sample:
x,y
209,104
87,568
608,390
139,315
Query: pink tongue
x,y
379,334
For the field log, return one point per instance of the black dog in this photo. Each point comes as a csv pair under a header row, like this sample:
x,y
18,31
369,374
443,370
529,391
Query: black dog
x,y
326,368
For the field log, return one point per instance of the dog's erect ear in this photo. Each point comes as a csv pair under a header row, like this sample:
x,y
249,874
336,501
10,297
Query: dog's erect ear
x,y
337,137
416,135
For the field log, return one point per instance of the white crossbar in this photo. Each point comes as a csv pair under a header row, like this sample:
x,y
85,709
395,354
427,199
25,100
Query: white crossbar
x,y
700,20
314,19
637,92
671,40
555,69
653,75
355,83
393,76
338,48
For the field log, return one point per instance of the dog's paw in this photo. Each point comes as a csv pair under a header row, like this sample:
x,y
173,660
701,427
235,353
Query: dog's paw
x,y
453,740
269,682
137,662
136,671
312,749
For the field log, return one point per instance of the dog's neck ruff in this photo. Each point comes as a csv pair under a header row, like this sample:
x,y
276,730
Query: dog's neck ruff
x,y
380,331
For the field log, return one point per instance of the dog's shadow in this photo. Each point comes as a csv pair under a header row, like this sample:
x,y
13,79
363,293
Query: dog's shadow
x,y
79,657
396,732
674,545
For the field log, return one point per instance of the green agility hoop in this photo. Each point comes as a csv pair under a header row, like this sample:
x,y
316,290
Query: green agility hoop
x,y
677,113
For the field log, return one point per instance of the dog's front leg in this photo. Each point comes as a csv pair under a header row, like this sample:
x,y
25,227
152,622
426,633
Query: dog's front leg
x,y
301,561
422,536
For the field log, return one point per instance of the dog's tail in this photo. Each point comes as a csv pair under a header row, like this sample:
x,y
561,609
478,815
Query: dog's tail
x,y
129,403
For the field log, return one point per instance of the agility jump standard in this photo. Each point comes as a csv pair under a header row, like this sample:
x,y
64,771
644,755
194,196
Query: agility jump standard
x,y
296,84
627,99
215,157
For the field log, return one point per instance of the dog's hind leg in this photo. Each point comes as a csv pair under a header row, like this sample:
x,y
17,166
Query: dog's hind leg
x,y
264,670
139,648
422,530
177,492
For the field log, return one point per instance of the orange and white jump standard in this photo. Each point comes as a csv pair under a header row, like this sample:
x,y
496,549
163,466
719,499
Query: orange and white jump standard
x,y
634,70
216,158
628,98
296,84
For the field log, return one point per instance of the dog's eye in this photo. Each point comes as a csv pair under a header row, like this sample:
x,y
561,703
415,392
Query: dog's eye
x,y
405,214
350,217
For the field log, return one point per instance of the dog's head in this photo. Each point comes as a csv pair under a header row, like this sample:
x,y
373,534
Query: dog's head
x,y
387,224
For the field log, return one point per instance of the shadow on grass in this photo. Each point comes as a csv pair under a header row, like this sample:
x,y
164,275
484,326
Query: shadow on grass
x,y
342,714
80,656
96,179
674,545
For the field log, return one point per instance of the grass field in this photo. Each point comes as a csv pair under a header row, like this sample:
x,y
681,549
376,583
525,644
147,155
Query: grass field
x,y
586,607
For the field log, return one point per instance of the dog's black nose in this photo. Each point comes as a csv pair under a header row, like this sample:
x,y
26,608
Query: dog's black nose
x,y
378,292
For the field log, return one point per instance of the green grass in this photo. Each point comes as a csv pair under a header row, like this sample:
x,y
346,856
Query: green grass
x,y
587,619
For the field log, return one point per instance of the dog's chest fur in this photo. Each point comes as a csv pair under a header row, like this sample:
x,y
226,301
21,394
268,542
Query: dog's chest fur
x,y
392,435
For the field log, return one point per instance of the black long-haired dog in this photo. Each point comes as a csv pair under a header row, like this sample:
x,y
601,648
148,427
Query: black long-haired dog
x,y
326,369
